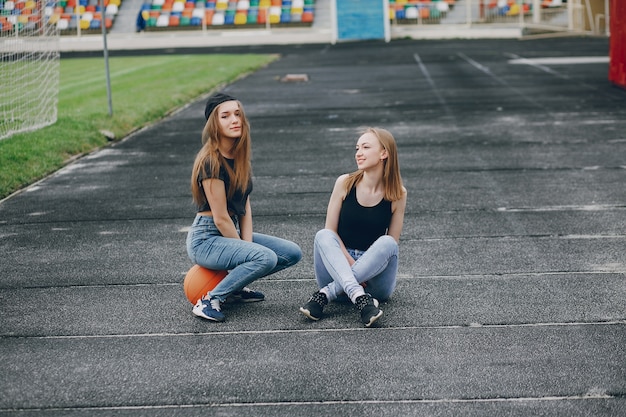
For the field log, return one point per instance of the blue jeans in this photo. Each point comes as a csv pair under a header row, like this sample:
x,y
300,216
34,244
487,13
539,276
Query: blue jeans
x,y
376,268
245,261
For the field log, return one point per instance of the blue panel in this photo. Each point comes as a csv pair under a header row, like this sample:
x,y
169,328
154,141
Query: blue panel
x,y
360,19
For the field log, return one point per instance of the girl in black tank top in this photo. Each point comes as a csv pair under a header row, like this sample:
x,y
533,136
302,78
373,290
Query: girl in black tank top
x,y
356,254
360,226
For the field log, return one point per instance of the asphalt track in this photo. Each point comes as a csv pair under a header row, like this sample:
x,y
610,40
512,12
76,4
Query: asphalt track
x,y
512,287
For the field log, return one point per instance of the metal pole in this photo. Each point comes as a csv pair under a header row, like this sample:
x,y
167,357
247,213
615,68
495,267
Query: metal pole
x,y
536,11
106,56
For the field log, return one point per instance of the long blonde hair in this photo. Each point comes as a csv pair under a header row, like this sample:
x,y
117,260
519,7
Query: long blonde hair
x,y
242,149
392,180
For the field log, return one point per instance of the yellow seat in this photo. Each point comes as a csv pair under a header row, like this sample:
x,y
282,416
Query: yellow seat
x,y
514,10
241,18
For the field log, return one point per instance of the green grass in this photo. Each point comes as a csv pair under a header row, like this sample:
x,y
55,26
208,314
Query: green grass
x,y
144,89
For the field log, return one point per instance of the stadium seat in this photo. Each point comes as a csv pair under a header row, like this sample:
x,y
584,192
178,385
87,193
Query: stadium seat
x,y
262,16
218,19
443,7
162,13
514,10
241,18
163,21
63,24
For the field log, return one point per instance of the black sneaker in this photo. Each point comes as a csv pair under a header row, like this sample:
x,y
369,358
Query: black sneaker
x,y
368,307
245,295
314,307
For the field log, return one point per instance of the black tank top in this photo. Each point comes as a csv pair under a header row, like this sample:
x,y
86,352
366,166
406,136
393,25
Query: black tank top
x,y
360,226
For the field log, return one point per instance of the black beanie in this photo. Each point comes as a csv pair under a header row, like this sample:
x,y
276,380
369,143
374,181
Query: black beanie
x,y
214,101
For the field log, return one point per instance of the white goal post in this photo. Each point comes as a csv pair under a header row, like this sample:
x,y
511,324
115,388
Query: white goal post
x,y
29,67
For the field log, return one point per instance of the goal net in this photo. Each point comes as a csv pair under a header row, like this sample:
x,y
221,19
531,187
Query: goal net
x,y
29,66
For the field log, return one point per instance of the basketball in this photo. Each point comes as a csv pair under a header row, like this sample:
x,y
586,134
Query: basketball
x,y
199,281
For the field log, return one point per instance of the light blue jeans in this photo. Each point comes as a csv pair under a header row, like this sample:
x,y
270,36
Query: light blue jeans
x,y
376,268
245,261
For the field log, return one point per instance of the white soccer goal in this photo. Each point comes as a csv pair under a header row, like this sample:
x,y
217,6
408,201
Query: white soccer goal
x,y
29,67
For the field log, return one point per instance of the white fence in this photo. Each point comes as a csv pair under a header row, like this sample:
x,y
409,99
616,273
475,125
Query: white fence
x,y
584,16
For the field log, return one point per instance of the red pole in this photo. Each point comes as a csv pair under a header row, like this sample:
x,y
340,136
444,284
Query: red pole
x,y
617,50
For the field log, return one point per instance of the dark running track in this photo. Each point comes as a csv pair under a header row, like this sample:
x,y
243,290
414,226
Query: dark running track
x,y
512,286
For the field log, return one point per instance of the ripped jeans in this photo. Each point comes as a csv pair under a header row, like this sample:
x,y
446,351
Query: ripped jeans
x,y
376,267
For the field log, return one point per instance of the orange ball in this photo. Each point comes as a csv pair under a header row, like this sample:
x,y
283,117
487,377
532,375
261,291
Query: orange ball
x,y
200,281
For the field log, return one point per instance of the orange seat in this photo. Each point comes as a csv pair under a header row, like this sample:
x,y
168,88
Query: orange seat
x,y
262,16
208,15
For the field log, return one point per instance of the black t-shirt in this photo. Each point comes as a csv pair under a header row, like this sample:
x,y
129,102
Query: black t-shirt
x,y
237,203
360,226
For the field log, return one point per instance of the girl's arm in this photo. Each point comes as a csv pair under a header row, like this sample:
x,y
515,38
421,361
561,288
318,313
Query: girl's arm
x,y
245,223
397,217
215,193
333,210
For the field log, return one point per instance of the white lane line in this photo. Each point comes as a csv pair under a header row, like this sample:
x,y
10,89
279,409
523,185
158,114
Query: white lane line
x,y
512,237
430,81
565,60
540,64
513,275
584,397
488,72
400,275
313,331
585,207
517,60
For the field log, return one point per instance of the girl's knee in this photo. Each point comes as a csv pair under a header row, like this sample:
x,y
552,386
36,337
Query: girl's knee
x,y
324,233
295,253
267,258
388,241
387,244
323,238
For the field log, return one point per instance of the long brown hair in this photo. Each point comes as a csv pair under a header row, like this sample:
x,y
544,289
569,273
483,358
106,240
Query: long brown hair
x,y
242,149
392,180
